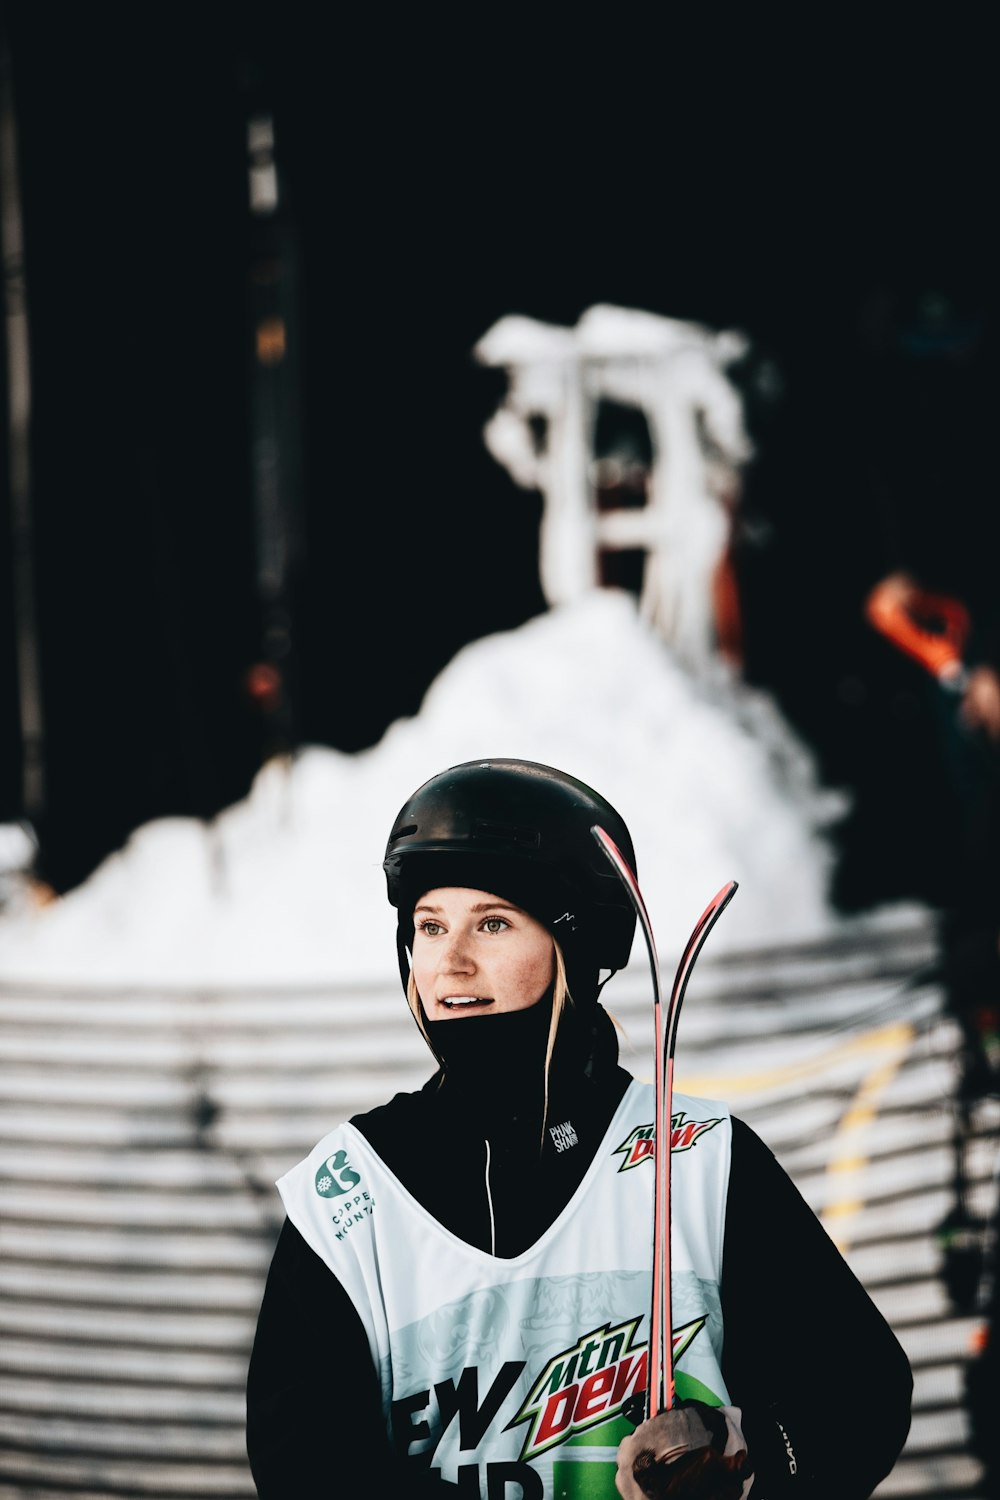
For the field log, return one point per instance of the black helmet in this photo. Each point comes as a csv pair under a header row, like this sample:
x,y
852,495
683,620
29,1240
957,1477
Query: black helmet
x,y
523,831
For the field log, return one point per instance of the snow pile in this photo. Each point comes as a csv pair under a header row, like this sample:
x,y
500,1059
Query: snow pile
x,y
287,885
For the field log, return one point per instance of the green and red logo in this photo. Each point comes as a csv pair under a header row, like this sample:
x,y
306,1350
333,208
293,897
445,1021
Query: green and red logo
x,y
589,1384
640,1145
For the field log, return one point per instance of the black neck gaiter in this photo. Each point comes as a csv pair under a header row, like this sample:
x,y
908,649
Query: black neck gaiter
x,y
494,1066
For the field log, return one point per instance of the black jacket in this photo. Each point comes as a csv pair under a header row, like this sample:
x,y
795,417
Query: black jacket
x,y
804,1344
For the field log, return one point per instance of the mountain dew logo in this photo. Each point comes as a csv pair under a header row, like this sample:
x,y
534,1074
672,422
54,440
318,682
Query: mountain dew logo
x,y
589,1384
640,1145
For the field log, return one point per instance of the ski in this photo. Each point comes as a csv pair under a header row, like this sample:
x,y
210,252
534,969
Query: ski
x,y
660,1393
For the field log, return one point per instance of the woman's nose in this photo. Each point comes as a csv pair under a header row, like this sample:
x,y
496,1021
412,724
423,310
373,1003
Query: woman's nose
x,y
457,956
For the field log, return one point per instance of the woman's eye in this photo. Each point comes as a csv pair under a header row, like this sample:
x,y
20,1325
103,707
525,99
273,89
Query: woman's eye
x,y
429,928
495,924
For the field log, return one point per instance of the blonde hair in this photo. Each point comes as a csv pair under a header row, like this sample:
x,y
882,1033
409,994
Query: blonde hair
x,y
561,997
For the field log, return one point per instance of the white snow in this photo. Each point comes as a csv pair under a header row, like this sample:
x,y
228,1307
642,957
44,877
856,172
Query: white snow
x,y
286,886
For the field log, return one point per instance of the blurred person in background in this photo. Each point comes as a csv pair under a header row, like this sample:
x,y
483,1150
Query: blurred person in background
x,y
923,382
961,679
456,1301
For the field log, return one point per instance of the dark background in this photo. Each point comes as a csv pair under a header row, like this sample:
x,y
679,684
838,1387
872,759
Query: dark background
x,y
830,195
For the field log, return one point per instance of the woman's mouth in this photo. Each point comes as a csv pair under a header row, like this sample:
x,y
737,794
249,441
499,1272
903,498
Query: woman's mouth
x,y
465,1002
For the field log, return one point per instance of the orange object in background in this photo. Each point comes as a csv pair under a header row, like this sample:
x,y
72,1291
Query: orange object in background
x,y
931,628
727,611
263,686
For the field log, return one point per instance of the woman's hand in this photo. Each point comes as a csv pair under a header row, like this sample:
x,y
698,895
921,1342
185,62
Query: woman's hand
x,y
692,1452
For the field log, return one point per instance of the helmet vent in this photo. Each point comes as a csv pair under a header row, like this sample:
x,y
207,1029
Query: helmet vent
x,y
509,833
405,832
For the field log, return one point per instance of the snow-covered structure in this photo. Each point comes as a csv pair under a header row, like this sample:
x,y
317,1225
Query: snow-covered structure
x,y
286,887
675,374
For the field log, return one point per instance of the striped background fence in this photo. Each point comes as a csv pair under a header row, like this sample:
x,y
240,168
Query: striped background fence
x,y
141,1132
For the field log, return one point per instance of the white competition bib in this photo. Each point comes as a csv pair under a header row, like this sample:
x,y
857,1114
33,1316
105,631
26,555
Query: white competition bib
x,y
514,1372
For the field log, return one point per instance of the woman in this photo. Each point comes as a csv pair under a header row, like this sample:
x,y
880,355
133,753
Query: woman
x,y
457,1301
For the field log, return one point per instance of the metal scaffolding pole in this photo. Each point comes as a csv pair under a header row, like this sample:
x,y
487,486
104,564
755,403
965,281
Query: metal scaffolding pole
x,y
18,424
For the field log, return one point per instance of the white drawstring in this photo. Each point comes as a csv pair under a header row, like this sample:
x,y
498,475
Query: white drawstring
x,y
489,1199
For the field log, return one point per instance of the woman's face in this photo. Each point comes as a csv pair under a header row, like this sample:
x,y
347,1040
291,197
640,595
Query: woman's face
x,y
474,954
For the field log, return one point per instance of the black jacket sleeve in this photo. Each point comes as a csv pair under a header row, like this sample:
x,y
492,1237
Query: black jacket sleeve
x,y
823,1383
314,1409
